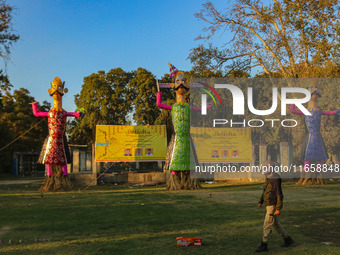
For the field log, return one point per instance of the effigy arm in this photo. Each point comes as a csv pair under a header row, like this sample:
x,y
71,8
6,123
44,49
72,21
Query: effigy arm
x,y
159,102
198,109
329,112
292,110
75,114
36,111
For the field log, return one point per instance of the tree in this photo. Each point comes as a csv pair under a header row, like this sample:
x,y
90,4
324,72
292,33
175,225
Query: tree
x,y
105,100
280,38
16,118
144,89
286,37
7,38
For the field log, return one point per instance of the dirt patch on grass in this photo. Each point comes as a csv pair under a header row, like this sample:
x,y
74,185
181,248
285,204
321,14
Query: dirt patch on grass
x,y
11,182
4,230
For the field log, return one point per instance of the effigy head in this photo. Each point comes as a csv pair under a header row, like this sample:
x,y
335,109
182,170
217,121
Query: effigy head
x,y
179,80
312,86
180,86
57,89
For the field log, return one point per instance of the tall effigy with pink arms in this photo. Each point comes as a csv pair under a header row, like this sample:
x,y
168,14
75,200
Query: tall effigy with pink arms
x,y
55,153
181,155
313,148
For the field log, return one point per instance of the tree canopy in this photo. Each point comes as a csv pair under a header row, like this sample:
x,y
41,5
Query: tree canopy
x,y
286,37
105,100
144,89
7,38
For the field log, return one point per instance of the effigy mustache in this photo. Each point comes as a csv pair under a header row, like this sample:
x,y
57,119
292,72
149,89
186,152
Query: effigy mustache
x,y
316,93
181,86
56,91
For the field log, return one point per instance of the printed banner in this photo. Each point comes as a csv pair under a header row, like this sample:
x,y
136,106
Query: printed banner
x,y
227,145
131,143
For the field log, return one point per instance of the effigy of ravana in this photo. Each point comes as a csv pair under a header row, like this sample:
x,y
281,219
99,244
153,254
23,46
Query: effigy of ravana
x,y
55,153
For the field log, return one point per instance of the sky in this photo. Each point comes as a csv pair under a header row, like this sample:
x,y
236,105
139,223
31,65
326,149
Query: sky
x,y
73,39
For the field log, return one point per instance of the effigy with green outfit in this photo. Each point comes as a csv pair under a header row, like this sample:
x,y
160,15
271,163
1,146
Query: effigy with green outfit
x,y
182,156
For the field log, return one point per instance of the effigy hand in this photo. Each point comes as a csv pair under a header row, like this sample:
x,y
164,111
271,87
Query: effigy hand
x,y
80,112
210,106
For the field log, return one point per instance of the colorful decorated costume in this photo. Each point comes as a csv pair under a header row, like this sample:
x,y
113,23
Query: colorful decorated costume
x,y
313,147
183,158
180,114
55,149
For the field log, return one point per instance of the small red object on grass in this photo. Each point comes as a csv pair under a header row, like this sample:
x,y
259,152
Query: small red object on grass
x,y
188,241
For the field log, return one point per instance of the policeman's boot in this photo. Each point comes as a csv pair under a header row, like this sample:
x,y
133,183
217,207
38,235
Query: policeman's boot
x,y
287,242
262,247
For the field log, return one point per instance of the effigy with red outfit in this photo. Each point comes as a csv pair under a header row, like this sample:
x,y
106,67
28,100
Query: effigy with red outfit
x,y
55,153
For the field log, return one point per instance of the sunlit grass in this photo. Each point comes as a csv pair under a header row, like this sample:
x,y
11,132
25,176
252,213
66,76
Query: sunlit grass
x,y
146,220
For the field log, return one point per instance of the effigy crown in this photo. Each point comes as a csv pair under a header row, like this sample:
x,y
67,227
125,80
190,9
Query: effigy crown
x,y
57,81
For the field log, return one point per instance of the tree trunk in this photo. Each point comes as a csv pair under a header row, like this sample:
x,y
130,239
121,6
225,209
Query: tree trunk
x,y
333,158
56,182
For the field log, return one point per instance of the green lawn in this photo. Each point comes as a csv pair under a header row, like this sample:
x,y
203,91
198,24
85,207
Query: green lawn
x,y
131,220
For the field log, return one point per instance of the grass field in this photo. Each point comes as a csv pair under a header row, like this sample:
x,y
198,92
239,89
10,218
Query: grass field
x,y
134,220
